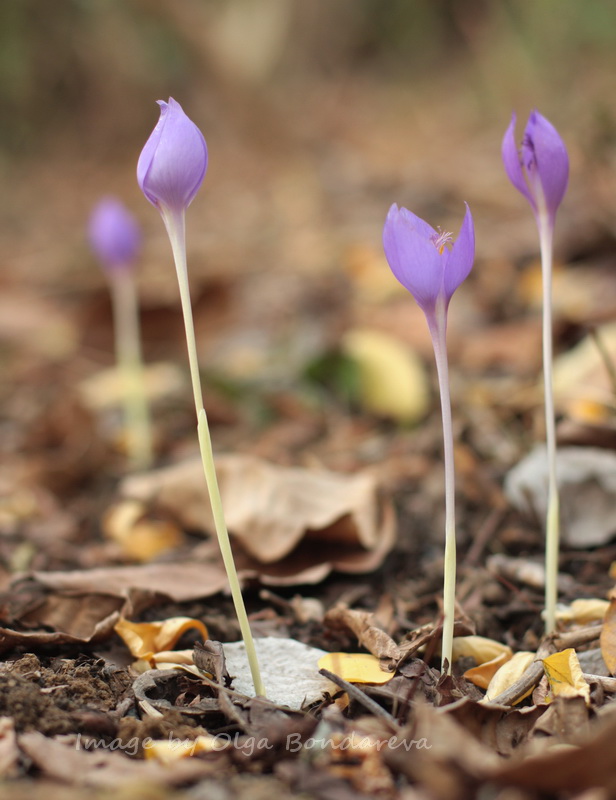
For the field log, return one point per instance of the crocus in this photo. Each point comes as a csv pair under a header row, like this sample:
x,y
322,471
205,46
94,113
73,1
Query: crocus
x,y
115,239
170,171
431,266
114,235
173,162
539,169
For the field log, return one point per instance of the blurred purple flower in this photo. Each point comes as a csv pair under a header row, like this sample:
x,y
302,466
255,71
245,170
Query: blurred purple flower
x,y
173,161
421,260
114,234
540,168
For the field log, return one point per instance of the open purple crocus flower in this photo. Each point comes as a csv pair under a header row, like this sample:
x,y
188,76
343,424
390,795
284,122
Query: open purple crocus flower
x,y
173,162
539,169
114,234
422,260
431,266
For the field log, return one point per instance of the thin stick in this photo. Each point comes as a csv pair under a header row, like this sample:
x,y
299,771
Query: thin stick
x,y
553,514
130,364
360,697
176,230
438,331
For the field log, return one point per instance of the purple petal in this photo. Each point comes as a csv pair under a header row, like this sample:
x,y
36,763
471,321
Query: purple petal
x,y
513,167
173,161
459,260
413,257
551,159
114,234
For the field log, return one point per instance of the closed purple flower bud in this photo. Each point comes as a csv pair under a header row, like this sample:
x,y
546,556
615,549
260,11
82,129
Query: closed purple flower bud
x,y
114,234
173,161
421,259
540,168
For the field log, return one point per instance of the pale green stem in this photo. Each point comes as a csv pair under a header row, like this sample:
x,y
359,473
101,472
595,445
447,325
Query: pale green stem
x,y
175,225
553,517
130,365
438,330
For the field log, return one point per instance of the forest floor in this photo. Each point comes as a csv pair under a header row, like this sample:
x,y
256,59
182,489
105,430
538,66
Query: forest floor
x,y
336,512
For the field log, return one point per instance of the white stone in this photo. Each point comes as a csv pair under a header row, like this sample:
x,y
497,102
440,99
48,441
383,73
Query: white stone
x,y
289,670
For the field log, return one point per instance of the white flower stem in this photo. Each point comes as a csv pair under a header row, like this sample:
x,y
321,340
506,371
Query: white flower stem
x,y
175,225
438,330
125,309
553,515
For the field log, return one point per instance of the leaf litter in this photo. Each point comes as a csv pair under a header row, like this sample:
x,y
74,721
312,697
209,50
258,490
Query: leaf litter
x,y
310,493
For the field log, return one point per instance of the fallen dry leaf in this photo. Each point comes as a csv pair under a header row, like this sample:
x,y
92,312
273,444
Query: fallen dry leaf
x,y
489,654
139,537
565,675
608,635
165,751
363,625
508,674
393,381
355,667
269,508
145,639
583,611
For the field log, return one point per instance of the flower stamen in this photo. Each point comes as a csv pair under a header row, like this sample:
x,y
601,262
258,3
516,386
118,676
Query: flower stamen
x,y
443,238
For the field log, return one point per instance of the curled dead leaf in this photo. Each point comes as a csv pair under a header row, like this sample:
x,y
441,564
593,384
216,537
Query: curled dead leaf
x,y
144,639
565,676
355,667
608,635
270,509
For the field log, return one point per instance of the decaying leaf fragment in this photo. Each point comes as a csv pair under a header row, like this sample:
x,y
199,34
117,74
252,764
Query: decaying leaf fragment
x,y
144,639
565,675
608,635
583,611
167,751
140,537
355,667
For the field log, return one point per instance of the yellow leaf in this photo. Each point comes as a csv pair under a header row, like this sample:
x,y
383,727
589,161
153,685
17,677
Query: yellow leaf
x,y
508,674
565,676
355,667
144,639
489,654
140,537
583,611
392,378
479,648
608,635
166,751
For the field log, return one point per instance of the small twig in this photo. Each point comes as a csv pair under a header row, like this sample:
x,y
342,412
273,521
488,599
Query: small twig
x,y
522,686
483,536
360,696
579,637
607,684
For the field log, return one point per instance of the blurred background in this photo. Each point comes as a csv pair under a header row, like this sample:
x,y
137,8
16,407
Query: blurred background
x,y
318,116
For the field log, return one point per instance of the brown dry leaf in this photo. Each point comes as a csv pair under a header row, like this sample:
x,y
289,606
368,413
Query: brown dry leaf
x,y
144,639
9,752
572,769
140,538
608,635
363,625
78,766
508,674
565,675
489,654
355,667
270,508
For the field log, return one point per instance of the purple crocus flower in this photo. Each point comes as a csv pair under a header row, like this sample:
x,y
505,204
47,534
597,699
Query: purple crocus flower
x,y
540,168
114,234
173,161
423,262
421,259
